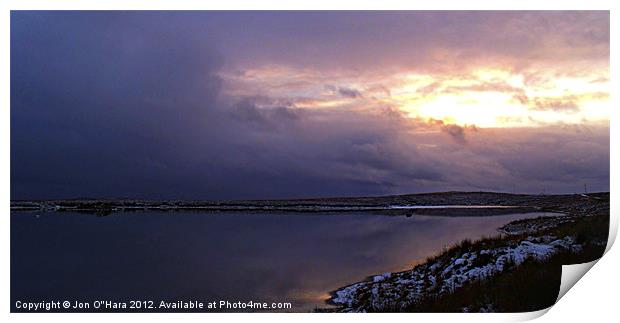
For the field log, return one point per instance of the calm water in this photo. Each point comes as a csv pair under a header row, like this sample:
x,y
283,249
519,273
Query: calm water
x,y
295,258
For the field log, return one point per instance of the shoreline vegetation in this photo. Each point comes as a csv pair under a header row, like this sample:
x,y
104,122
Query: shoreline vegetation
x,y
518,270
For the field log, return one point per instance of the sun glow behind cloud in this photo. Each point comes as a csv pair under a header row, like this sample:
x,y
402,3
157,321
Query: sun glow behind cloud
x,y
488,69
483,97
254,105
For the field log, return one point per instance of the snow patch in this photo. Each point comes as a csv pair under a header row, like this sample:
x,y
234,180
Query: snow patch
x,y
393,291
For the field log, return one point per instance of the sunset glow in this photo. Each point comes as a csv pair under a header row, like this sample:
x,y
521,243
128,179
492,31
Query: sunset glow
x,y
238,105
318,161
483,98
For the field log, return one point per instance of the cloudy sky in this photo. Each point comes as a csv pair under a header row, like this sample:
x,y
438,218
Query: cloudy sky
x,y
238,105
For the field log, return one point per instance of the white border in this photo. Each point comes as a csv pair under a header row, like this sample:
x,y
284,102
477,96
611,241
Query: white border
x,y
593,299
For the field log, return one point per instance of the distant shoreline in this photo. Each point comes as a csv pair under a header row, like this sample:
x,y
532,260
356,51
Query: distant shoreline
x,y
480,202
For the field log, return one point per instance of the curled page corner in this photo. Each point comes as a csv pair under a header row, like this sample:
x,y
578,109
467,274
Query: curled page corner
x,y
613,231
528,316
571,274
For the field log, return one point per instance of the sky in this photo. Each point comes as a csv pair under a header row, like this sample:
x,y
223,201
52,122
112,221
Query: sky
x,y
258,105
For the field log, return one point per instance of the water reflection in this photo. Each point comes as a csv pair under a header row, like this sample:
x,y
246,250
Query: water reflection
x,y
294,258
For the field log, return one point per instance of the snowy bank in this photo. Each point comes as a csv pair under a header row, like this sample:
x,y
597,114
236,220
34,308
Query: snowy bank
x,y
396,291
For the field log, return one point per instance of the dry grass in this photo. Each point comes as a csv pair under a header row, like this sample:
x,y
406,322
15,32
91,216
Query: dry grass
x,y
531,286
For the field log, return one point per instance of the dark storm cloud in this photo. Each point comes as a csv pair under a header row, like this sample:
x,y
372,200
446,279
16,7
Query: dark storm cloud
x,y
425,40
130,104
105,104
265,119
552,159
344,91
456,132
126,106
349,93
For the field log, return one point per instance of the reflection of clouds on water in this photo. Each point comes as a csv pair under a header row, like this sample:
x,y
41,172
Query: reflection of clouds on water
x,y
262,257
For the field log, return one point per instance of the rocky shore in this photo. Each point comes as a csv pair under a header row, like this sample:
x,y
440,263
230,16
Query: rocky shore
x,y
445,274
577,236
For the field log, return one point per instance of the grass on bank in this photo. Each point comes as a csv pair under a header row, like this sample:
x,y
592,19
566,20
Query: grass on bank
x,y
531,286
